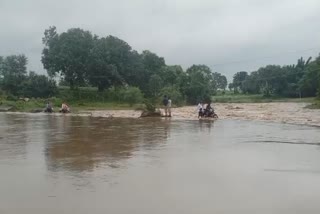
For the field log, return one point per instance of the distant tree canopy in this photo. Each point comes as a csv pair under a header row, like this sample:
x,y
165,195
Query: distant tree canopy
x,y
15,80
301,79
81,58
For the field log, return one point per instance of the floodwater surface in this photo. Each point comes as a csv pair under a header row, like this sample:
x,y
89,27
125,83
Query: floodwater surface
x,y
63,164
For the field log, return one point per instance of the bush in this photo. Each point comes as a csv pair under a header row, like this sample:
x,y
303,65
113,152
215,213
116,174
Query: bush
x,y
150,105
11,97
56,101
132,95
38,86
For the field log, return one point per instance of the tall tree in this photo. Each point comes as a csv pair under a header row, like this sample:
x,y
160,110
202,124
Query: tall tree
x,y
200,84
310,82
238,80
67,54
14,71
152,64
37,85
102,68
220,80
155,85
172,75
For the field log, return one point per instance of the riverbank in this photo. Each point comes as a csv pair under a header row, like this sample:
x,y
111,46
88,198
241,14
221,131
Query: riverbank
x,y
281,112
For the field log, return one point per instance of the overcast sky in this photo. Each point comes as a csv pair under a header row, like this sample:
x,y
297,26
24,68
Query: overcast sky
x,y
227,35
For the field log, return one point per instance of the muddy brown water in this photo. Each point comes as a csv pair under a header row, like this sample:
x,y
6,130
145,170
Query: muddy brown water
x,y
63,164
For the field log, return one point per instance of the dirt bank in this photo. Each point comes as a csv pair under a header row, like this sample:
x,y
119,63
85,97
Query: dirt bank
x,y
293,113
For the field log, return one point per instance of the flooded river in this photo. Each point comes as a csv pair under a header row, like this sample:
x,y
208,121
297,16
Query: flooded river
x,y
62,165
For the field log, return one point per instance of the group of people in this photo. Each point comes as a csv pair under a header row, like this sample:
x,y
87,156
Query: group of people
x,y
202,109
64,108
207,111
167,105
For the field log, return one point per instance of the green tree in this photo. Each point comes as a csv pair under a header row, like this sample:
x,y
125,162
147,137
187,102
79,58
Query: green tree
x,y
14,70
67,54
174,94
238,80
251,84
220,81
294,75
172,75
1,71
272,78
230,86
102,71
152,62
152,65
155,85
310,82
133,95
200,84
37,85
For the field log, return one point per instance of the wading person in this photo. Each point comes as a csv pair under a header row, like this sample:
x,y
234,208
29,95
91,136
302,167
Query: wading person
x,y
169,106
49,108
165,104
64,108
200,109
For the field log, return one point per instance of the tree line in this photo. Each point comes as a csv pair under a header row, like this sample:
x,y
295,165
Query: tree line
x,y
81,58
298,80
84,59
16,81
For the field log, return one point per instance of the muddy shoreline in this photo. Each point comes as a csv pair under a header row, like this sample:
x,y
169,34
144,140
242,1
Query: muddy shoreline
x,y
280,112
292,113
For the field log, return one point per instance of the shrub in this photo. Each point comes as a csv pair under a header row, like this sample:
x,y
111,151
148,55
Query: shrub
x,y
150,105
11,97
132,95
37,85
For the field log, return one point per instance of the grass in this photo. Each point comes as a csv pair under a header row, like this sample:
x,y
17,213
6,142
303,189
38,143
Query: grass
x,y
76,106
255,98
23,106
89,100
314,105
81,106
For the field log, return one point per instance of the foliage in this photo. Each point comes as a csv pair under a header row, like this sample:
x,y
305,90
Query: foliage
x,y
200,84
14,73
220,81
155,85
38,86
238,80
150,105
16,82
300,80
113,72
132,95
109,62
67,54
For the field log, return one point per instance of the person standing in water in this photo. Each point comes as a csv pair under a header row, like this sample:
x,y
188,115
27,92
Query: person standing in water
x,y
48,108
200,109
165,104
169,106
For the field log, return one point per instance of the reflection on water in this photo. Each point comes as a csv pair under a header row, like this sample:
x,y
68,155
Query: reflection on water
x,y
81,143
63,164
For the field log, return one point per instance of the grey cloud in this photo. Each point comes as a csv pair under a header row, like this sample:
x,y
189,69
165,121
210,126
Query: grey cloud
x,y
184,32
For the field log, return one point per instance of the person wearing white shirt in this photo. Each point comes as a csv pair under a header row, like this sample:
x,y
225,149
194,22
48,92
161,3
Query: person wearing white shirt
x,y
169,106
200,110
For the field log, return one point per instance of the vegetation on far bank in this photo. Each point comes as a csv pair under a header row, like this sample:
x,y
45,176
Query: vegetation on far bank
x,y
105,72
230,97
86,99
